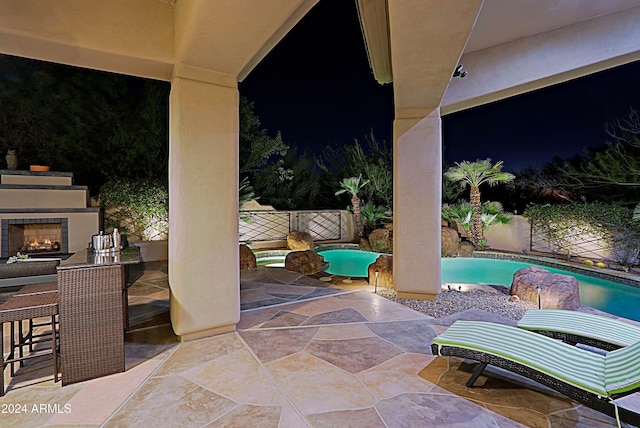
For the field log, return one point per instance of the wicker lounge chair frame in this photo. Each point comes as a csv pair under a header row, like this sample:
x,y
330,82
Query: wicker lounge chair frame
x,y
597,402
578,327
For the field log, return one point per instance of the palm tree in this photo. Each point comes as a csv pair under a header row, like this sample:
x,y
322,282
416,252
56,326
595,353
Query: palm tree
x,y
473,174
352,185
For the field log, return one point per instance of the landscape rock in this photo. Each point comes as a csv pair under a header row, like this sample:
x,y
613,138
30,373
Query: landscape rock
x,y
384,266
557,291
450,241
364,244
460,228
300,241
306,262
381,241
247,258
465,249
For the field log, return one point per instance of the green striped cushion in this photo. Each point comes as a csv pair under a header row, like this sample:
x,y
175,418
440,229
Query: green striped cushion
x,y
580,324
622,369
577,367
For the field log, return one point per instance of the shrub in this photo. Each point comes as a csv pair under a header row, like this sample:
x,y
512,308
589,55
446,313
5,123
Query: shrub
x,y
373,215
462,213
138,208
566,225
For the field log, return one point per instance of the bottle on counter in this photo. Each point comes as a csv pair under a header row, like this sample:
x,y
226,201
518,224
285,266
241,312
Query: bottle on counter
x,y
115,239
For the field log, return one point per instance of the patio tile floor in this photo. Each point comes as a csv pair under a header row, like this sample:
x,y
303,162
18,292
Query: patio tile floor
x,y
310,355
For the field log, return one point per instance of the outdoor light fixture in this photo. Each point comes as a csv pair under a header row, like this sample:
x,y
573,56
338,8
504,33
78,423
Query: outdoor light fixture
x,y
460,72
539,290
375,287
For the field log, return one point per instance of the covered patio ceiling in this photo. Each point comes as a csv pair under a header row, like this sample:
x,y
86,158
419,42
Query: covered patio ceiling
x,y
513,47
146,38
507,47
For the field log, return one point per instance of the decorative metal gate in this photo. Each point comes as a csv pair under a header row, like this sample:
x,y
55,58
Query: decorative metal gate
x,y
276,225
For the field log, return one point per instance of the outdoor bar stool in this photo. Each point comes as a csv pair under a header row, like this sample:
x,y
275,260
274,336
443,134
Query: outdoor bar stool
x,y
42,287
18,309
29,290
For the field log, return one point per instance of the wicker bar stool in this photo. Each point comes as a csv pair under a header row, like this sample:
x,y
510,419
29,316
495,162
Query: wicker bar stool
x,y
42,287
18,309
29,290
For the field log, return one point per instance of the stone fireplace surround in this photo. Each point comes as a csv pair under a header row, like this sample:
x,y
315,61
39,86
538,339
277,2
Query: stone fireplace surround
x,y
9,247
47,197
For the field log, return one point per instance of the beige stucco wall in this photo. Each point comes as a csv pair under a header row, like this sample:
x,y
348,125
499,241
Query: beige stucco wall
x,y
417,192
515,236
203,207
43,198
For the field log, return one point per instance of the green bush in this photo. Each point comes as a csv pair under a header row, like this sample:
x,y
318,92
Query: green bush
x,y
462,212
373,216
138,208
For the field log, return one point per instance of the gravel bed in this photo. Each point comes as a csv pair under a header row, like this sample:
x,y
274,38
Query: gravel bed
x,y
451,302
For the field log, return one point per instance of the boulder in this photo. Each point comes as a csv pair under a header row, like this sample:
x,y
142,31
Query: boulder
x,y
300,241
364,244
384,266
450,241
557,291
381,241
247,258
460,228
306,262
465,249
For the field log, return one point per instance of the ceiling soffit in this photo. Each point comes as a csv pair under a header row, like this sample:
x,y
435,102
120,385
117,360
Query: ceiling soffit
x,y
374,23
502,21
498,23
124,36
427,41
147,37
232,36
545,59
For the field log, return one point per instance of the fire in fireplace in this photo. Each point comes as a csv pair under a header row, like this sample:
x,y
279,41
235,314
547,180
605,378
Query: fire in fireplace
x,y
37,238
34,236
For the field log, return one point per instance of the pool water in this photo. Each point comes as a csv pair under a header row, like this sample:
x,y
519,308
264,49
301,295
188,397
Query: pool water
x,y
618,299
612,297
349,262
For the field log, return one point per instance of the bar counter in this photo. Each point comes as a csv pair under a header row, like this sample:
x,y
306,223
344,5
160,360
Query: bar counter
x,y
92,304
87,258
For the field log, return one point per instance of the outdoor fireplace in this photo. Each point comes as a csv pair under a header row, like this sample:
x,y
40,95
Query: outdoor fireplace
x,y
34,236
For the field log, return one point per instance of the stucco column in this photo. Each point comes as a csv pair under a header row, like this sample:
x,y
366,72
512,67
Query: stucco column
x,y
203,203
417,190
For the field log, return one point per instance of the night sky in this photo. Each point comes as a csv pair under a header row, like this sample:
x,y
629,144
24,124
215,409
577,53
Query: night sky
x,y
316,87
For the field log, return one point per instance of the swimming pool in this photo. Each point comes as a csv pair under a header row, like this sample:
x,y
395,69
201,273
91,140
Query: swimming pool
x,y
614,298
609,296
346,262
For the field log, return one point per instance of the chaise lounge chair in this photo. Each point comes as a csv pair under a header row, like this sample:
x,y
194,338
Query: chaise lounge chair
x,y
592,379
578,327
